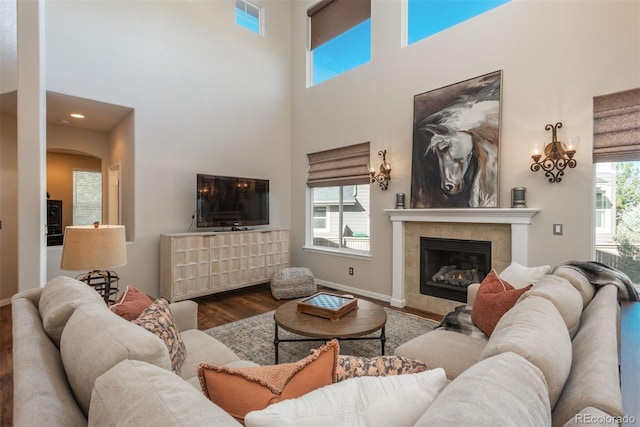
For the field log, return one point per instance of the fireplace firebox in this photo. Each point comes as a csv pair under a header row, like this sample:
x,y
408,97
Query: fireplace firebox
x,y
449,266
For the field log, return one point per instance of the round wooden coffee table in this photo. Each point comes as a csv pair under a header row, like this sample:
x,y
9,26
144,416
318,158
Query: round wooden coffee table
x,y
367,318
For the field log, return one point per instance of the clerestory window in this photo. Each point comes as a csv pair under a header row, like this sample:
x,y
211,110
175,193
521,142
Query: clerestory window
x,y
340,37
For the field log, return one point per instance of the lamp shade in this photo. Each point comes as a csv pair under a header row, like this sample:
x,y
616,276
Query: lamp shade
x,y
93,248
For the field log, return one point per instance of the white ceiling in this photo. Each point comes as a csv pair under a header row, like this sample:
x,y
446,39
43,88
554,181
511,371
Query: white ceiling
x,y
99,116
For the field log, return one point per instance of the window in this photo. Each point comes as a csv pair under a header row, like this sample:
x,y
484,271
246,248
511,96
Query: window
x,y
320,218
340,37
339,194
428,17
617,216
345,224
616,153
87,197
248,16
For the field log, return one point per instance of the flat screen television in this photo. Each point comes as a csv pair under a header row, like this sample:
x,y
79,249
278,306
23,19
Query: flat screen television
x,y
225,201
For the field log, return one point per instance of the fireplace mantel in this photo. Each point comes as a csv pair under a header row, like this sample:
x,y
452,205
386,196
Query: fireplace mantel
x,y
519,218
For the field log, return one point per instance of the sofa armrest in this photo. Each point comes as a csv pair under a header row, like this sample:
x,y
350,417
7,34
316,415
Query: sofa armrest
x,y
185,313
472,290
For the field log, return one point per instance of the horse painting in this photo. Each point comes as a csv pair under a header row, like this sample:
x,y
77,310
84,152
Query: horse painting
x,y
455,148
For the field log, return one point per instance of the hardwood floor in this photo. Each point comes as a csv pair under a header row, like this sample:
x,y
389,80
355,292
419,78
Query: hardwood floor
x,y
213,310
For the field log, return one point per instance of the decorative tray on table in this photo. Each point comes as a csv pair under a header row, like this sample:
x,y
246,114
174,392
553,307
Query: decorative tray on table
x,y
330,306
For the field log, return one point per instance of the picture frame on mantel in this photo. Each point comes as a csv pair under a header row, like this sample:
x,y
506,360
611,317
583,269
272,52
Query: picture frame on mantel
x,y
456,145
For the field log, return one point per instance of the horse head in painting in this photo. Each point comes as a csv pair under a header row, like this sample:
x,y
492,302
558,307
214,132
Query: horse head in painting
x,y
458,135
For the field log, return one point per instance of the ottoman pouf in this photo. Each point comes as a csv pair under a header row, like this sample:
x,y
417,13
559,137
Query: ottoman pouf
x,y
294,282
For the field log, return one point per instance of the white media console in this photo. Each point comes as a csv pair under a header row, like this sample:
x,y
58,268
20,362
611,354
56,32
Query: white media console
x,y
198,264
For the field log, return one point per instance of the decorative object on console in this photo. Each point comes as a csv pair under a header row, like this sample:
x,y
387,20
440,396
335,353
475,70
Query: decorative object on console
x,y
518,197
557,156
399,200
456,139
384,175
95,248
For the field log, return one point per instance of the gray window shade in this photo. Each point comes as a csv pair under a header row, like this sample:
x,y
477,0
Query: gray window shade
x,y
330,18
340,166
616,126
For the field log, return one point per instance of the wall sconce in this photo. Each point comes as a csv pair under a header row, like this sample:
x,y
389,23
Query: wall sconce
x,y
557,157
384,176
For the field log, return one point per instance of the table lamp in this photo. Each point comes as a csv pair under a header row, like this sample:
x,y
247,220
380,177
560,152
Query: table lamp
x,y
95,248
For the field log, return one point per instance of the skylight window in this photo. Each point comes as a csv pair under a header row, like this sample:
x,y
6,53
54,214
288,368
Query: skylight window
x,y
248,16
428,17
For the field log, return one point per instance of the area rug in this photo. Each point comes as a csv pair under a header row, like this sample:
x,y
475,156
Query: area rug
x,y
252,338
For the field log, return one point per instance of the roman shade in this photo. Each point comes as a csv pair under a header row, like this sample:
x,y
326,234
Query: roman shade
x,y
340,166
616,126
330,18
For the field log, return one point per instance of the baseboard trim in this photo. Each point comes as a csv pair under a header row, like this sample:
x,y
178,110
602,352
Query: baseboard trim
x,y
6,301
352,290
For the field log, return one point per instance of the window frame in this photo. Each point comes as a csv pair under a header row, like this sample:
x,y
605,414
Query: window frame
x,y
75,205
260,10
341,251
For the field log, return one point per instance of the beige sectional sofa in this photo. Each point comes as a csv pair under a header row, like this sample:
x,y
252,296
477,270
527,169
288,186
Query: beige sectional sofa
x,y
77,363
552,356
564,329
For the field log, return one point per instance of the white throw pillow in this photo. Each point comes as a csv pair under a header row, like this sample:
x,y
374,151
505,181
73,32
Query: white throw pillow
x,y
520,276
398,400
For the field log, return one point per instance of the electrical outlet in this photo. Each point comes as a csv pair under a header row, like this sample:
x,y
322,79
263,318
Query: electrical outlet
x,y
350,271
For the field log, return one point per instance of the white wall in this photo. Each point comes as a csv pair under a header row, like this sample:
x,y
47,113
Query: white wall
x,y
209,96
555,56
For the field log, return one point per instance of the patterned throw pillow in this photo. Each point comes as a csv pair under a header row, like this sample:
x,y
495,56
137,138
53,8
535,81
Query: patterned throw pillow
x,y
157,318
380,366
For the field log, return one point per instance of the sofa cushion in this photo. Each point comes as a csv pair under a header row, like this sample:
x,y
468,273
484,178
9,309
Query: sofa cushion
x,y
239,391
452,351
161,399
505,389
594,379
157,319
95,340
40,388
60,297
520,276
535,330
579,281
380,366
203,348
493,299
365,401
563,296
131,304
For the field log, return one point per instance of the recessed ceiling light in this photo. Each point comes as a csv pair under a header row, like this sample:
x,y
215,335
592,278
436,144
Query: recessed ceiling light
x,y
77,115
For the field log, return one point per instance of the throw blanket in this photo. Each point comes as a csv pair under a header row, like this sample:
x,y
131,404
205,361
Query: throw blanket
x,y
601,274
459,320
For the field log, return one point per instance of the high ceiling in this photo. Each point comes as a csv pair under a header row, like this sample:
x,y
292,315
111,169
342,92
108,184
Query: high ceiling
x,y
99,116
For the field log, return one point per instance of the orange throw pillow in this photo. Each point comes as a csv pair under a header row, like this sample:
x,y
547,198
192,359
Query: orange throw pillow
x,y
494,298
131,304
242,390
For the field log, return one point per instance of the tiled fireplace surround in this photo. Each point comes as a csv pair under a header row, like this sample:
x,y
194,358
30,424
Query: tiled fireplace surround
x,y
506,229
